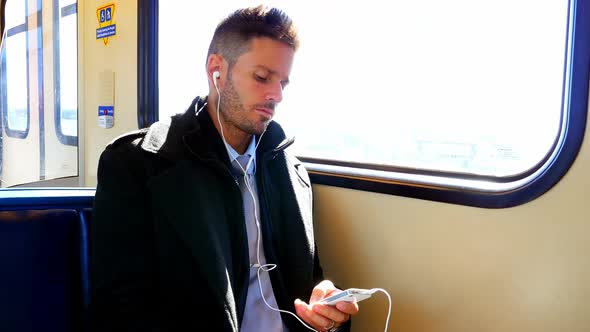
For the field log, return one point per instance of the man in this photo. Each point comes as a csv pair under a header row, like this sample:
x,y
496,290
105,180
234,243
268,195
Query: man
x,y
207,220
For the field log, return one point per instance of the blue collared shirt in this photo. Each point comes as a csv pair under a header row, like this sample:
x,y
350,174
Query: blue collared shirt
x,y
250,153
257,316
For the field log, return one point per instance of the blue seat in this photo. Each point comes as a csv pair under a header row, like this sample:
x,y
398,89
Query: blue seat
x,y
43,270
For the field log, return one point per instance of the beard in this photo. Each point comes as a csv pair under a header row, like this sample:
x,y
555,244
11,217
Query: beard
x,y
234,112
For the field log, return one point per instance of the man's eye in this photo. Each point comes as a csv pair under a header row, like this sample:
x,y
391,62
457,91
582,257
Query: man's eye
x,y
260,78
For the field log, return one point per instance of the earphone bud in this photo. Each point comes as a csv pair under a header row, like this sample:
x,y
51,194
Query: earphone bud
x,y
215,77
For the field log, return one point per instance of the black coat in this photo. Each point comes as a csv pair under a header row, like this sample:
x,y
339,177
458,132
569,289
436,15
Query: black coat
x,y
168,243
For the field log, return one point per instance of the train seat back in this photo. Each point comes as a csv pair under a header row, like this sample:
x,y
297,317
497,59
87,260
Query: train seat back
x,y
43,270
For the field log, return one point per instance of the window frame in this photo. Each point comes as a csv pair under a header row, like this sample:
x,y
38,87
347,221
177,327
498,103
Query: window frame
x,y
2,26
22,28
2,19
147,63
426,184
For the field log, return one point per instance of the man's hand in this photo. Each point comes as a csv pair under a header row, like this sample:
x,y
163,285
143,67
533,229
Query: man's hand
x,y
323,317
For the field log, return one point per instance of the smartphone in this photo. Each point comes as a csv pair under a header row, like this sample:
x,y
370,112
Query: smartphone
x,y
348,295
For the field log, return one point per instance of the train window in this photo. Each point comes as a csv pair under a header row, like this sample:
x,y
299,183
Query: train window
x,y
66,66
39,76
463,97
15,71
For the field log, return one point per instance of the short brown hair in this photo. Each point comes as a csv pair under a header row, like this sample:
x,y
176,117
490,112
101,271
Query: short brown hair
x,y
232,36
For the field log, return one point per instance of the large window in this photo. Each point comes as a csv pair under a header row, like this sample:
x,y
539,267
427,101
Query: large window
x,y
469,95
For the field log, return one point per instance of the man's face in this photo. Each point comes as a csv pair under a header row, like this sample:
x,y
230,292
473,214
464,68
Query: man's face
x,y
255,85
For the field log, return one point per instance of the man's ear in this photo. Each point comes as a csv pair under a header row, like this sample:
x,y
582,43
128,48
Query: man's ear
x,y
216,62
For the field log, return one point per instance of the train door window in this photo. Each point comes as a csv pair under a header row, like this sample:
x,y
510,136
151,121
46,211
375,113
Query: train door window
x,y
442,98
66,66
15,71
39,76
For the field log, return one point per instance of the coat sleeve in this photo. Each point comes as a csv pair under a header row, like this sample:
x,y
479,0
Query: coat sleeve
x,y
122,292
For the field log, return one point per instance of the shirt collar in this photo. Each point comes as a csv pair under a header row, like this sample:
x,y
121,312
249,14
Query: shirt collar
x,y
250,151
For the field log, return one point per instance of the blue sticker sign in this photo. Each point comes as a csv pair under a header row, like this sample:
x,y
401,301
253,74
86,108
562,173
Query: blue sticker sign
x,y
106,116
106,32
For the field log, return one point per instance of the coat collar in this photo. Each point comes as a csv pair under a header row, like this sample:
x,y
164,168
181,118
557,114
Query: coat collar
x,y
185,134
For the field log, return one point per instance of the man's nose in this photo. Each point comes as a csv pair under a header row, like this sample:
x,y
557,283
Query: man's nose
x,y
275,92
